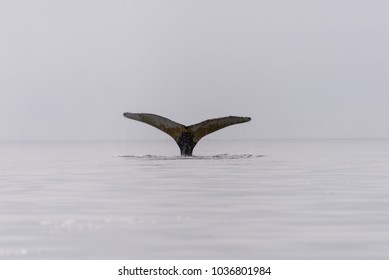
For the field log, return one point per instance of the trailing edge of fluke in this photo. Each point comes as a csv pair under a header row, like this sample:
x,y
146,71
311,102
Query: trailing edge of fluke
x,y
186,137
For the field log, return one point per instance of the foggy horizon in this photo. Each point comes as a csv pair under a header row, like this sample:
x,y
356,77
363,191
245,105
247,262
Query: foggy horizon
x,y
300,70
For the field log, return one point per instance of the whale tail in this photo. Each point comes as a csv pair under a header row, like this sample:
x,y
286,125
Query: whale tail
x,y
186,137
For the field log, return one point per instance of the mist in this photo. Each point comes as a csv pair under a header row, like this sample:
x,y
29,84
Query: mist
x,y
299,69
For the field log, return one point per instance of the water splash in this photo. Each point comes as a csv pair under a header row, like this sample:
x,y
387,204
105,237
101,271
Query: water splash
x,y
213,157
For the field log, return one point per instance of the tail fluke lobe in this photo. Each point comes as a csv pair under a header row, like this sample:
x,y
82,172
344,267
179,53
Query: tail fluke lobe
x,y
186,137
168,126
206,127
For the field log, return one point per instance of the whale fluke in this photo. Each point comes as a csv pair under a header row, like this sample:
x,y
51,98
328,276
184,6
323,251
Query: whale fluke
x,y
186,137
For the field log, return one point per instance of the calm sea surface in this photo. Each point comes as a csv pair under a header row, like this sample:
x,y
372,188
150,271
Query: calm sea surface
x,y
265,199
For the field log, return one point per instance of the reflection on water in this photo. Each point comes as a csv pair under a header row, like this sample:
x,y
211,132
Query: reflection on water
x,y
304,199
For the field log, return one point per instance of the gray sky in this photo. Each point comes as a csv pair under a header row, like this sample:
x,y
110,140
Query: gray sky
x,y
69,69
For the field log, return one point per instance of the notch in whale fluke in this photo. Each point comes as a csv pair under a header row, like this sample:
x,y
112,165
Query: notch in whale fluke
x,y
186,137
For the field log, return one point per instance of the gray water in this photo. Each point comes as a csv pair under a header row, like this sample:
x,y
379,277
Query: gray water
x,y
264,199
